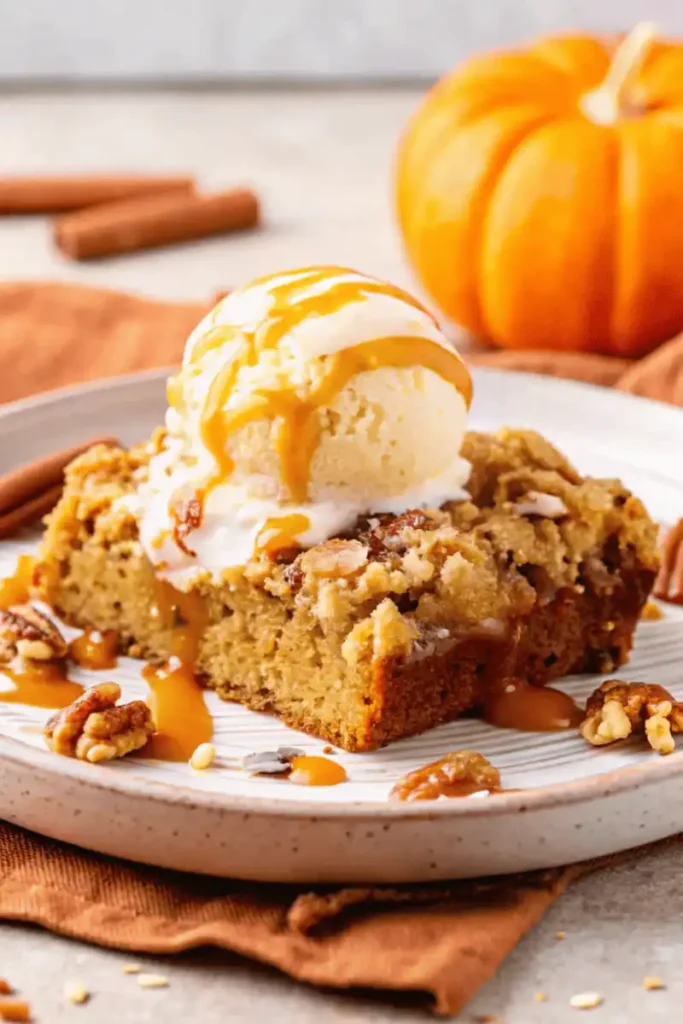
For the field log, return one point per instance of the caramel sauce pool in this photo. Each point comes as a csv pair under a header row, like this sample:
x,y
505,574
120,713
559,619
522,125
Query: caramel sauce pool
x,y
95,650
40,686
519,705
310,770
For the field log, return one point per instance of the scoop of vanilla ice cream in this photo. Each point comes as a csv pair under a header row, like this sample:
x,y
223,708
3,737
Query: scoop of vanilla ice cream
x,y
304,400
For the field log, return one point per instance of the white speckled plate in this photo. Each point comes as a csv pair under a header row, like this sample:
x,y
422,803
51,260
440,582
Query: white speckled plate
x,y
571,801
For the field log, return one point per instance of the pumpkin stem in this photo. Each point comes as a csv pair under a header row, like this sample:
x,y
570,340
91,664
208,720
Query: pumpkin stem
x,y
604,104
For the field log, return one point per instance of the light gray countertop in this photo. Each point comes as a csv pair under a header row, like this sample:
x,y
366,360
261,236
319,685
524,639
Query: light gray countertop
x,y
322,163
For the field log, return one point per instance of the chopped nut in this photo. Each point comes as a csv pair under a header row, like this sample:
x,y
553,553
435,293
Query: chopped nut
x,y
14,1010
271,762
540,997
203,757
334,558
131,969
94,728
617,709
560,935
651,612
651,983
26,632
76,992
152,981
459,773
585,1000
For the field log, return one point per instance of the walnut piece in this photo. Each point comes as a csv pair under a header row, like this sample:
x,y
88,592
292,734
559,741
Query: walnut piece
x,y
616,710
459,773
95,728
334,558
26,632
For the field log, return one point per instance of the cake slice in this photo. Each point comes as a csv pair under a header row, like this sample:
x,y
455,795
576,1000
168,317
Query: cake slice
x,y
397,625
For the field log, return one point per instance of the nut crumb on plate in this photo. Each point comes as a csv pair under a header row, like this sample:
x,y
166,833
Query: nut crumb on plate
x,y
203,757
540,997
616,710
95,728
651,983
560,935
76,992
459,773
152,981
131,969
585,1000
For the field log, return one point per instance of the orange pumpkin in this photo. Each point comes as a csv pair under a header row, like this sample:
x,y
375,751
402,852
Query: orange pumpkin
x,y
540,194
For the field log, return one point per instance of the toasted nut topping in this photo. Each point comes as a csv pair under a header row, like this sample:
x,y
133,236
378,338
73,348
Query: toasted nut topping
x,y
616,709
203,757
585,1000
334,558
537,503
26,632
560,935
94,728
131,969
652,983
76,992
152,981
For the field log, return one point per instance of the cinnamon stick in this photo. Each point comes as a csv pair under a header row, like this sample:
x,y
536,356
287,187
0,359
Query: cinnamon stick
x,y
54,194
29,492
153,221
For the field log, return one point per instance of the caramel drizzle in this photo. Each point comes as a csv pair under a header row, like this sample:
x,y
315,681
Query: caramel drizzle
x,y
176,698
311,770
16,589
280,533
298,422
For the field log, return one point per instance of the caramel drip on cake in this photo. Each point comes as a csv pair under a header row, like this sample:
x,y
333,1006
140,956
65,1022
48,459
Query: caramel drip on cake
x,y
16,589
519,705
176,698
41,686
95,650
280,533
299,428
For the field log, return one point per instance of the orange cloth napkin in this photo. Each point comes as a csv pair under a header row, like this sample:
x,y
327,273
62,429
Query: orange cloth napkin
x,y
442,939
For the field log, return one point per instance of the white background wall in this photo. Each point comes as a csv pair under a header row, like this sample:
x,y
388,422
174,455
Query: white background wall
x,y
210,40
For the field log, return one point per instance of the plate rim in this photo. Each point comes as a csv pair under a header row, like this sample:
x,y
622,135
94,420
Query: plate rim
x,y
559,794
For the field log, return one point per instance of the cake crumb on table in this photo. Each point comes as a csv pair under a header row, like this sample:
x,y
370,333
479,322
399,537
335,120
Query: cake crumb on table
x,y
152,981
76,992
585,1000
560,935
651,983
131,969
